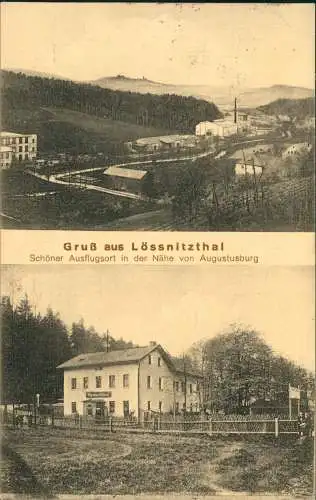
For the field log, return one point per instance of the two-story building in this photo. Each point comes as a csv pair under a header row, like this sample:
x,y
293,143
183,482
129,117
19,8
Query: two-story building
x,y
130,381
17,147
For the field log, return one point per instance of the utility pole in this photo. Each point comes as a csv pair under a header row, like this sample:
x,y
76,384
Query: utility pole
x,y
185,386
107,340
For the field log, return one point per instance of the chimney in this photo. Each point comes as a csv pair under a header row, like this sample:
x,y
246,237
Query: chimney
x,y
152,343
235,111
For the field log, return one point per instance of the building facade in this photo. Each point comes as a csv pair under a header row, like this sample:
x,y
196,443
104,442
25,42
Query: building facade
x,y
128,382
218,128
17,147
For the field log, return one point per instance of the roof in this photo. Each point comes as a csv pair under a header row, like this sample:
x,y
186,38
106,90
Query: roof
x,y
127,173
122,357
10,134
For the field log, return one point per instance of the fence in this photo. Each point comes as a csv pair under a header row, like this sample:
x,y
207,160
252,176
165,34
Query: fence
x,y
240,426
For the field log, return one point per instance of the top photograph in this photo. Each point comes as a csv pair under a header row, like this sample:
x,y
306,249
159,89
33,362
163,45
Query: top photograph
x,y
157,117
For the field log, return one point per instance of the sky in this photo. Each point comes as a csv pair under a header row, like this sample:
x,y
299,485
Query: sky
x,y
234,45
177,305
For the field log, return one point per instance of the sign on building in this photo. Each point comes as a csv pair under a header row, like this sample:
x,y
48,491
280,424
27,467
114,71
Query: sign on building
x,y
104,394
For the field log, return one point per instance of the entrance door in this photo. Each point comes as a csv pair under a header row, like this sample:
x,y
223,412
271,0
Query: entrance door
x,y
126,408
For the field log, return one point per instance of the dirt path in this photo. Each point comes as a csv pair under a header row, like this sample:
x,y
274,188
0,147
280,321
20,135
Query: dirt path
x,y
211,478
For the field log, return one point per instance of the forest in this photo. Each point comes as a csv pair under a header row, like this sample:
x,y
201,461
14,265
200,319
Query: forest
x,y
166,111
294,108
237,365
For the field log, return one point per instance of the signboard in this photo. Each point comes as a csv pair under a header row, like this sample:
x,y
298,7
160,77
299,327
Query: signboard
x,y
104,394
294,393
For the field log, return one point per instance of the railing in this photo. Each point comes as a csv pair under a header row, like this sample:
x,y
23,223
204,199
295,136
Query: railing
x,y
216,426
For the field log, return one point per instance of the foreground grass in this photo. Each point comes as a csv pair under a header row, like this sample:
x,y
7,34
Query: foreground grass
x,y
61,461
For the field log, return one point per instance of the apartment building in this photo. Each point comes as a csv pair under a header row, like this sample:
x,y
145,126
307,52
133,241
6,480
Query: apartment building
x,y
128,382
17,147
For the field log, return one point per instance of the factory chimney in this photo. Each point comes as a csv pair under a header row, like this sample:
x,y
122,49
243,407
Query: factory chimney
x,y
235,111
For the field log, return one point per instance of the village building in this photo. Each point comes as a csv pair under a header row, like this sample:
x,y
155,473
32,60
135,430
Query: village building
x,y
126,179
297,150
17,147
5,157
134,381
248,168
174,142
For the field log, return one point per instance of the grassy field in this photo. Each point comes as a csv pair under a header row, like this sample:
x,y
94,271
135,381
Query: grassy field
x,y
39,461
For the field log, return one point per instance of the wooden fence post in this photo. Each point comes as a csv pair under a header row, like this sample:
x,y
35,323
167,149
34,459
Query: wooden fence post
x,y
210,427
110,424
276,427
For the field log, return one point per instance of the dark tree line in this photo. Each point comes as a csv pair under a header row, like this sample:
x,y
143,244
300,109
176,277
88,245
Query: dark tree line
x,y
33,345
166,111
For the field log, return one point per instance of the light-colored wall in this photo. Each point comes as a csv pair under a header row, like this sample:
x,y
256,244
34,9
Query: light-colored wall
x,y
24,146
242,169
118,394
168,395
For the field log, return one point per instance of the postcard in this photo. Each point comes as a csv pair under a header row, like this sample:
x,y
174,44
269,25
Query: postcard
x,y
157,250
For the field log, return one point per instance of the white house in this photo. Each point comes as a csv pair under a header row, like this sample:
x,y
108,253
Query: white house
x,y
136,380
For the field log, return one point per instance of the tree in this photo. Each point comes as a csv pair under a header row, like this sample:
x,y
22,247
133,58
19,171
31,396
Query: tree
x,y
190,192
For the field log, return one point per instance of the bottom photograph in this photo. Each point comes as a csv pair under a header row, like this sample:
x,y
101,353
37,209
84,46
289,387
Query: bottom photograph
x,y
157,381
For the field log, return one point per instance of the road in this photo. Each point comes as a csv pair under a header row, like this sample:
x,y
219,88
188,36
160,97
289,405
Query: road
x,y
59,178
56,179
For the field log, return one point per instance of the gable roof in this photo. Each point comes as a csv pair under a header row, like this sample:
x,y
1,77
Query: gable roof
x,y
127,173
121,357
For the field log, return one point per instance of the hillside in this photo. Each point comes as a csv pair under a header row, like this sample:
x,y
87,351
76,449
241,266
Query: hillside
x,y
223,96
300,108
47,105
262,96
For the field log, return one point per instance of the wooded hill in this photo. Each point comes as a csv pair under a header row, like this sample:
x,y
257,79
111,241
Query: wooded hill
x,y
25,98
299,108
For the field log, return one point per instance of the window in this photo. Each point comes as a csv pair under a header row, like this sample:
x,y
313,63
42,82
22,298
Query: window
x,y
85,382
112,381
33,139
182,386
20,140
26,149
177,407
112,406
160,406
98,382
125,380
73,407
148,382
149,359
74,383
191,407
26,156
159,361
177,386
191,388
20,149
148,405
160,383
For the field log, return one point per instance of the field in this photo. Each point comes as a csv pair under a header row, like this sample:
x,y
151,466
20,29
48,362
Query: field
x,y
38,461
